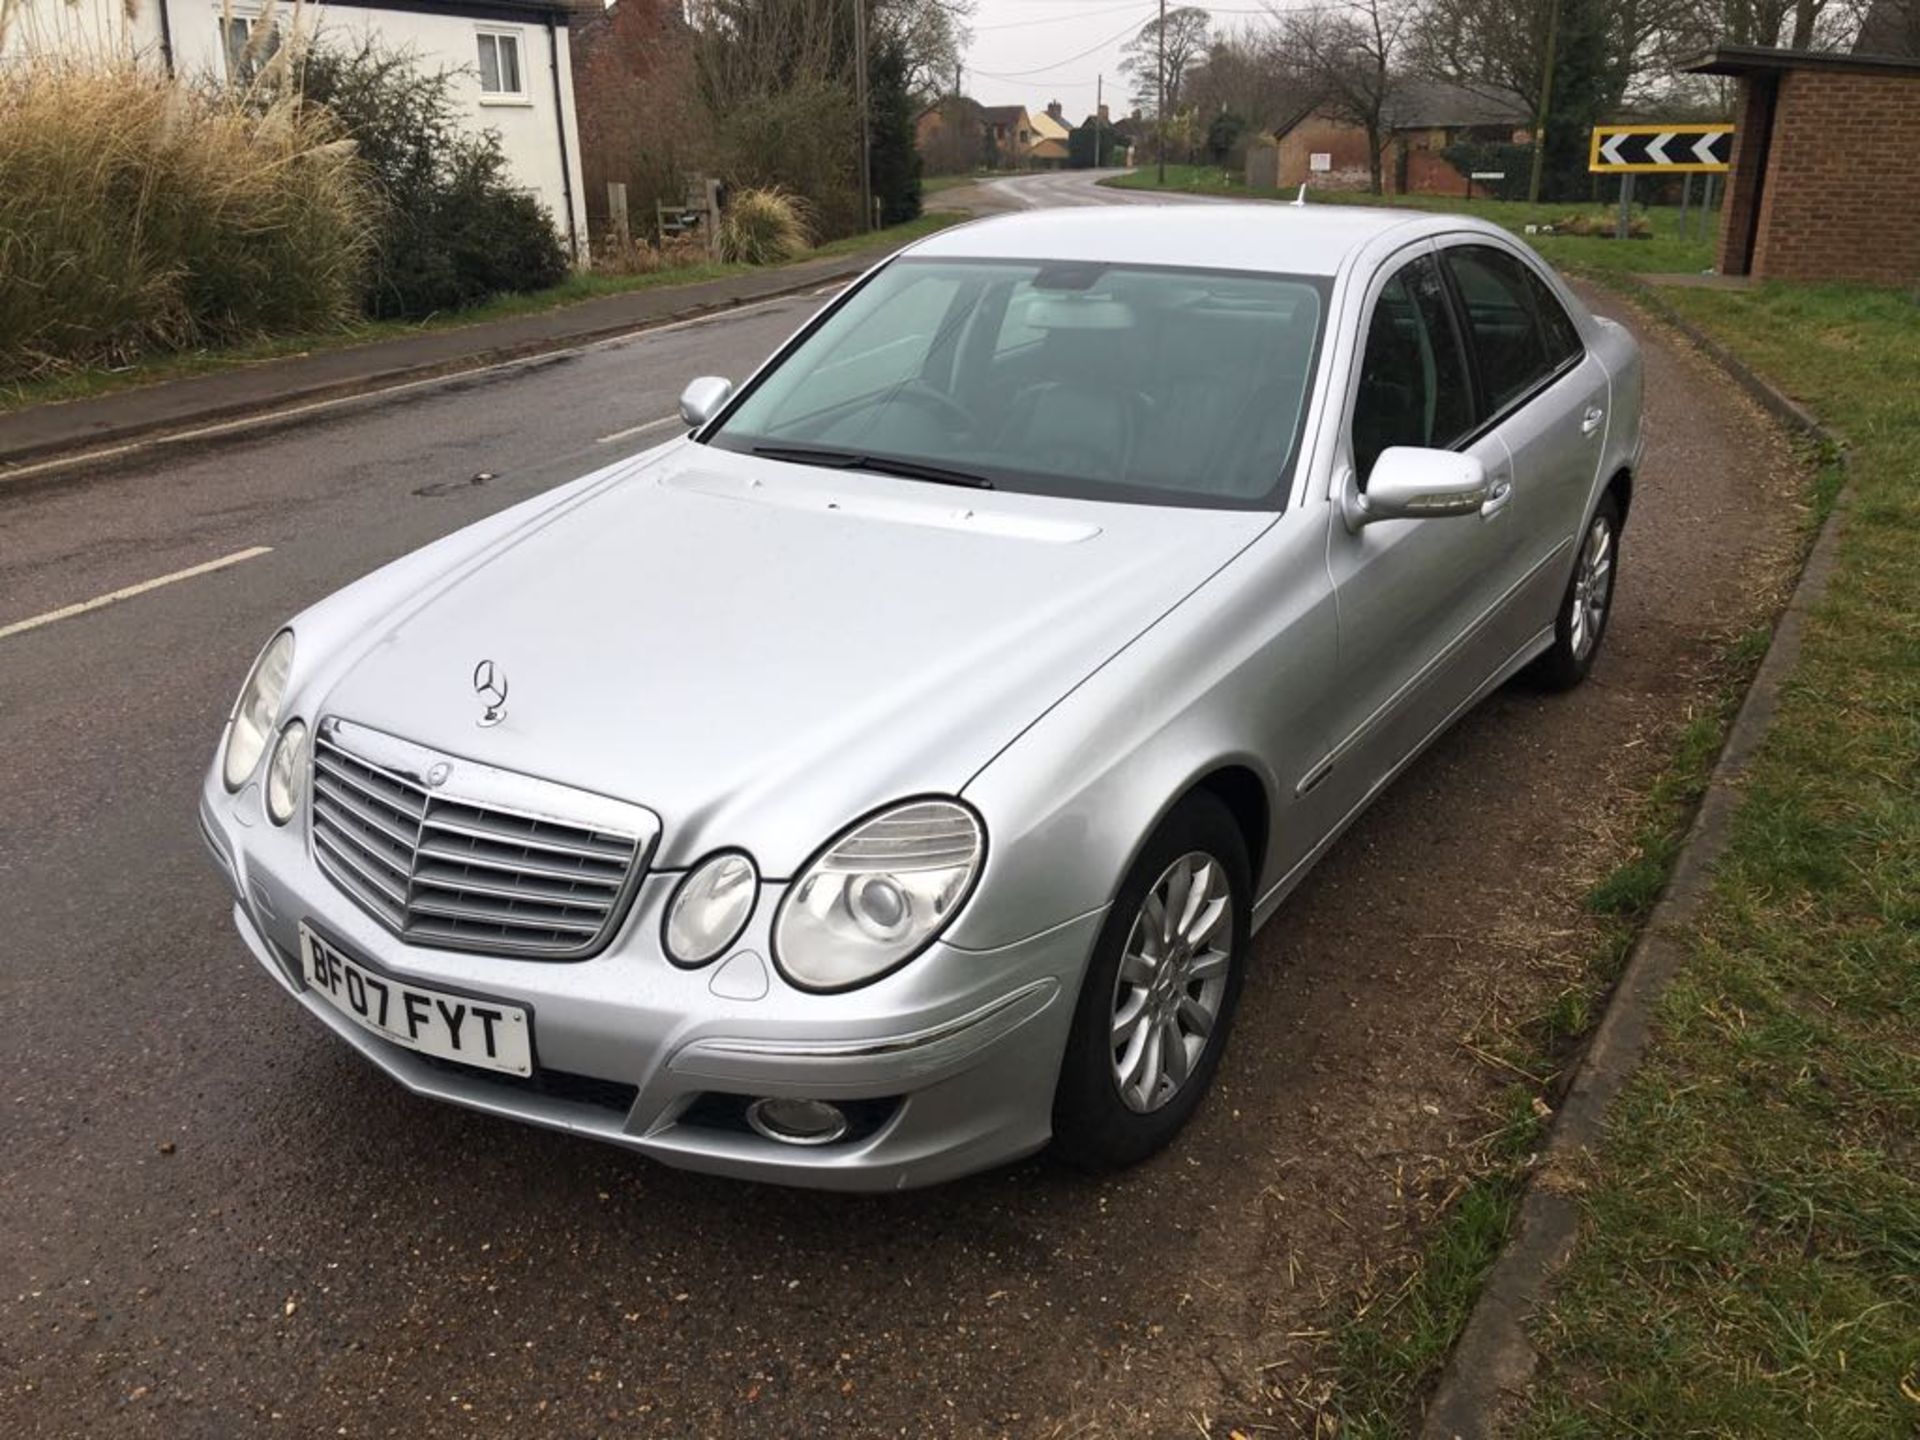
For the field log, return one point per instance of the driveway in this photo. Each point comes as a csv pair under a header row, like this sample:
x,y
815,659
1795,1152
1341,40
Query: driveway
x,y
220,1222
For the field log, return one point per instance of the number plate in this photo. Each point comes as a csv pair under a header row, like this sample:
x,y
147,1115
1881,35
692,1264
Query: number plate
x,y
487,1033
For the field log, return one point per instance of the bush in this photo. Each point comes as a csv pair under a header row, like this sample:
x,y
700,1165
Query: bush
x,y
140,214
764,227
804,140
1490,156
452,229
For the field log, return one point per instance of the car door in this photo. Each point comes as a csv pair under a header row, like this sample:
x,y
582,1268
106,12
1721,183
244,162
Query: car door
x,y
1422,623
1547,398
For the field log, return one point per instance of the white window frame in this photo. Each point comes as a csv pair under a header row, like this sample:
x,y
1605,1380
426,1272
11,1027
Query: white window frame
x,y
497,33
248,13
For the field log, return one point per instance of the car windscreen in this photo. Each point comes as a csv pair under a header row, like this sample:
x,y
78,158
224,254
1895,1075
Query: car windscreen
x,y
1151,384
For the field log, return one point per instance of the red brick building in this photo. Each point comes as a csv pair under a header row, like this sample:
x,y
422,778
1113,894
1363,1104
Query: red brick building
x,y
631,74
1826,165
1424,119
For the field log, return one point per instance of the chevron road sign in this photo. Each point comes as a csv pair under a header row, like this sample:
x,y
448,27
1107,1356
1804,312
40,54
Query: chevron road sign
x,y
1677,149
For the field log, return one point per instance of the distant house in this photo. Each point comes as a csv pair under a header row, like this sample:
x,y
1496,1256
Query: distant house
x,y
1050,131
1009,132
1102,141
951,136
957,134
510,58
1425,118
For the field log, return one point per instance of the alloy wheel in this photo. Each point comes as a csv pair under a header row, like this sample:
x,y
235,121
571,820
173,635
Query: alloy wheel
x,y
1592,589
1172,981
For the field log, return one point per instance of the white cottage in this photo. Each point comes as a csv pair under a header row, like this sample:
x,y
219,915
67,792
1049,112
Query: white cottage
x,y
513,68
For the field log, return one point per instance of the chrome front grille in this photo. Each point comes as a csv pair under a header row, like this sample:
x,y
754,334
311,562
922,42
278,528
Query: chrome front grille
x,y
451,853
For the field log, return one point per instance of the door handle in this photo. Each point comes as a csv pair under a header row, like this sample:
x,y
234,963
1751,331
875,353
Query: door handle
x,y
1498,495
1590,422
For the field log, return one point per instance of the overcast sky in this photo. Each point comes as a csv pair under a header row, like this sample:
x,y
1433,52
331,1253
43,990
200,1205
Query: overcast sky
x,y
1027,52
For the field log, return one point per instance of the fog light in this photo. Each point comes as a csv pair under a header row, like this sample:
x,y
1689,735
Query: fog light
x,y
797,1122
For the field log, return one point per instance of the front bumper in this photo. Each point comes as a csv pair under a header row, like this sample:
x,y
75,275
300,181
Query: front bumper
x,y
957,1052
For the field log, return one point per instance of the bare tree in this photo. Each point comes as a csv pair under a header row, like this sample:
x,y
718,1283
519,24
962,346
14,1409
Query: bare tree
x,y
932,34
1186,36
1244,74
1350,61
1884,27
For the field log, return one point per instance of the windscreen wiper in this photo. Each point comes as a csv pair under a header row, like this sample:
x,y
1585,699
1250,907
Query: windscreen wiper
x,y
878,464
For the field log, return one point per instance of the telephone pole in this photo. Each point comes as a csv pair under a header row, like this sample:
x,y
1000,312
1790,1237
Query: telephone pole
x,y
1099,115
1162,146
866,124
1546,104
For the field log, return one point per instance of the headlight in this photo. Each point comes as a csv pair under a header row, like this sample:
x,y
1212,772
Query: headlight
x,y
878,895
287,773
710,909
258,710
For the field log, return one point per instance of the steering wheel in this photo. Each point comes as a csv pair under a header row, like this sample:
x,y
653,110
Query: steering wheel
x,y
924,395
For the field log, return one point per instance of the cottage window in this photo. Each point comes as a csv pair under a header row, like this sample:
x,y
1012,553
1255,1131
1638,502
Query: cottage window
x,y
500,72
247,41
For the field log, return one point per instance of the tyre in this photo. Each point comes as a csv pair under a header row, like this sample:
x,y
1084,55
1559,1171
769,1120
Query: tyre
x,y
1581,624
1160,992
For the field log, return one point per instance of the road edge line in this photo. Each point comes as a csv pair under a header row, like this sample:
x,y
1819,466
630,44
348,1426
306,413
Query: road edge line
x,y
1493,1360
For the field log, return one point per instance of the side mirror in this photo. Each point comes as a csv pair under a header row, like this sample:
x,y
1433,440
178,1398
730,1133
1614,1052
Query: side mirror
x,y
702,399
1413,484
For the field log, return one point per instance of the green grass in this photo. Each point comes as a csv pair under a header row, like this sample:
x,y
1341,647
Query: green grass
x,y
1749,1264
81,384
1750,1258
1665,252
1390,1348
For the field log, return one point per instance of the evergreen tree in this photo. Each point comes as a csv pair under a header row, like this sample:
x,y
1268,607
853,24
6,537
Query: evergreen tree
x,y
894,158
1585,91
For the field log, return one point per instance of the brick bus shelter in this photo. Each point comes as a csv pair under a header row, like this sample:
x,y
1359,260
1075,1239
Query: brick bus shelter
x,y
1826,165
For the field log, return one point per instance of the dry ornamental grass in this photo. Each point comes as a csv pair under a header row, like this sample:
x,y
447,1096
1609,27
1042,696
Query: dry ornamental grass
x,y
139,213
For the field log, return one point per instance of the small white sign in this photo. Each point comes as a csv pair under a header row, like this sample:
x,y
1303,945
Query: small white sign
x,y
1320,161
1489,174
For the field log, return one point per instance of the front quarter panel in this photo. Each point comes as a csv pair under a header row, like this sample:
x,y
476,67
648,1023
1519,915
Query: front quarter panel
x,y
1234,676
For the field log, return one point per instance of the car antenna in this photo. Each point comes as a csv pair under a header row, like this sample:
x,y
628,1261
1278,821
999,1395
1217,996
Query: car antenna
x,y
1301,198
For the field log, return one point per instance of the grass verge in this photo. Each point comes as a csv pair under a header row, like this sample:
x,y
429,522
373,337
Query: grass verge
x,y
578,287
1389,1350
1750,1255
1665,252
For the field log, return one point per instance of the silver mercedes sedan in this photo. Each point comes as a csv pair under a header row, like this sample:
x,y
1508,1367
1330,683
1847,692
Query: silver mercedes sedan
x,y
886,778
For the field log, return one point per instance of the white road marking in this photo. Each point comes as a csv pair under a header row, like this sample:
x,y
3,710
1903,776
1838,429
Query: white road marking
x,y
637,429
365,397
114,597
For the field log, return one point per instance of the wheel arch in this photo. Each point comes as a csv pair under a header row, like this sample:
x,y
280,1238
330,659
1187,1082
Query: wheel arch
x,y
1245,795
1620,485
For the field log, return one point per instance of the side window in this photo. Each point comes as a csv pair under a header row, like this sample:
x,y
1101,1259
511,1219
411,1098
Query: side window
x,y
1563,336
1501,296
1413,376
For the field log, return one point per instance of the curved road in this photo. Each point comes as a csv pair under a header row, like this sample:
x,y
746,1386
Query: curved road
x,y
220,1223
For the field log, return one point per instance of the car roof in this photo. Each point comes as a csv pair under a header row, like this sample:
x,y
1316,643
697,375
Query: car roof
x,y
1235,235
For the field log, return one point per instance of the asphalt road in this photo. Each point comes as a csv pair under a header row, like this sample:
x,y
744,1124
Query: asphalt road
x,y
218,1221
